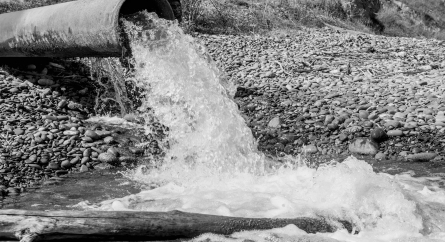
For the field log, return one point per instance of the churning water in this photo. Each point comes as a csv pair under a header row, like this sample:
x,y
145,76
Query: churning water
x,y
212,165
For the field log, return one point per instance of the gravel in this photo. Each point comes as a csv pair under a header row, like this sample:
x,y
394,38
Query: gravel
x,y
326,88
44,133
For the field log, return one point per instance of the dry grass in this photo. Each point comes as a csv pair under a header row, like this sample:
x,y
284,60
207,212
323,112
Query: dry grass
x,y
417,18
259,16
425,18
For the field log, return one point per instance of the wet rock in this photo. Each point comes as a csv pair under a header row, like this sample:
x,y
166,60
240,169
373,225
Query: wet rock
x,y
74,106
19,131
109,140
65,164
310,149
274,123
45,82
91,134
83,168
396,132
108,158
364,146
114,151
380,156
378,135
421,157
62,104
103,166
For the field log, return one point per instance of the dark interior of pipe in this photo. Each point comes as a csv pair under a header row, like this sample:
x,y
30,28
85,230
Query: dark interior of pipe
x,y
160,7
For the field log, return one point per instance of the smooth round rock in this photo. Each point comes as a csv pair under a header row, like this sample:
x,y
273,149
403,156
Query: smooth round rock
x,y
421,157
65,164
380,156
91,134
310,149
395,132
45,82
378,135
107,158
53,166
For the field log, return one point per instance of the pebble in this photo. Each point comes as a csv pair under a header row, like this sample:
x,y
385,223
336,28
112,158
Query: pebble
x,y
45,82
421,157
83,168
65,164
380,156
91,134
309,149
378,135
396,132
274,123
108,158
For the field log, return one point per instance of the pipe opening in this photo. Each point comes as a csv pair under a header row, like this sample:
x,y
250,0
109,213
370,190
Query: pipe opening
x,y
160,7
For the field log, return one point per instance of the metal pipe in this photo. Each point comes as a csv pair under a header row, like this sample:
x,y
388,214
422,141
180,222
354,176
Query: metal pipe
x,y
84,28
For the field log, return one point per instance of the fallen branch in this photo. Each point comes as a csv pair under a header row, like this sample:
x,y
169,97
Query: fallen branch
x,y
28,226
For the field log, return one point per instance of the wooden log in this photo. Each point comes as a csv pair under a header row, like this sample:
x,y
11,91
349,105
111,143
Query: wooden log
x,y
84,226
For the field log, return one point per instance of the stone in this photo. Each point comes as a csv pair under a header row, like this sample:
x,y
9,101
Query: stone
x,y
342,137
74,106
14,90
364,146
109,140
380,156
310,149
62,104
113,151
363,114
53,166
83,168
274,123
65,164
421,157
392,124
378,135
45,82
70,132
395,132
75,160
108,158
19,131
91,134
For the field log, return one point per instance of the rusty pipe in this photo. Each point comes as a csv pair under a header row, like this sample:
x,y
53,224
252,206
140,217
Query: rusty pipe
x,y
84,28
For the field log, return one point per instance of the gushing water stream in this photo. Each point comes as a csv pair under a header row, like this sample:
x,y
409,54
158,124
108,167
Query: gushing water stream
x,y
212,165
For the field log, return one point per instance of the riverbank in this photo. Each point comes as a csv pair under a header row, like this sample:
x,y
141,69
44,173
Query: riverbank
x,y
319,93
46,132
323,91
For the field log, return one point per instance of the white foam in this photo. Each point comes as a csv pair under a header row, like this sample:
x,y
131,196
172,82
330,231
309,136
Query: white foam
x,y
376,203
213,166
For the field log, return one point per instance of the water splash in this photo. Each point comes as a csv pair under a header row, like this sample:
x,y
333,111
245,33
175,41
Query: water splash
x,y
214,167
183,88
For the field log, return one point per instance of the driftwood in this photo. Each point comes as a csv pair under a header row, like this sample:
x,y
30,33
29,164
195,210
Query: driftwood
x,y
84,226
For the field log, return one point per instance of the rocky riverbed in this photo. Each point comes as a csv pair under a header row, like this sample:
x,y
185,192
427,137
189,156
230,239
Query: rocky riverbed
x,y
45,131
322,93
327,92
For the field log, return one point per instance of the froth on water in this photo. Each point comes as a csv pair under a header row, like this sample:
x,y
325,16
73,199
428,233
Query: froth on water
x,y
183,88
213,166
